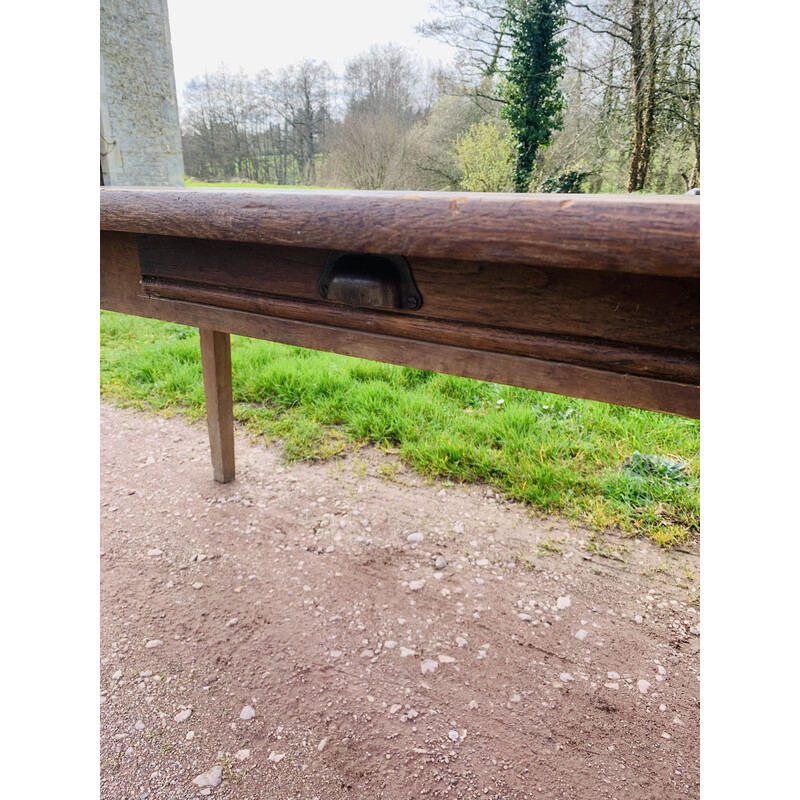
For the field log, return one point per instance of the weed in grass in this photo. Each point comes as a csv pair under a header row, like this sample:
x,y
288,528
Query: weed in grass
x,y
666,469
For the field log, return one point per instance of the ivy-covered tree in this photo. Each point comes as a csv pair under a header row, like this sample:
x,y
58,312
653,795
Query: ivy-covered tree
x,y
532,101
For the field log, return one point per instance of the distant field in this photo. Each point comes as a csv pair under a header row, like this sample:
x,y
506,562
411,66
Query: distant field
x,y
601,464
200,184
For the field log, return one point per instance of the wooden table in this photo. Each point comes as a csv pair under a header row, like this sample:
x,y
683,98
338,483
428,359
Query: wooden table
x,y
594,296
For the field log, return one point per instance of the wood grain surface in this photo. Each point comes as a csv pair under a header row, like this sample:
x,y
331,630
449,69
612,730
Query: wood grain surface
x,y
639,234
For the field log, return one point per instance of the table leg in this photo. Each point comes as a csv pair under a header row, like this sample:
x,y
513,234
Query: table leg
x,y
215,351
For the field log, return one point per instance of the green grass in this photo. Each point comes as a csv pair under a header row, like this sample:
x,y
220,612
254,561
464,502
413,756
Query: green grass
x,y
555,454
240,185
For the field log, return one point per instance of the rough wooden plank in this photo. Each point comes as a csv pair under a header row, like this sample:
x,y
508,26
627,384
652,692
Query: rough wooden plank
x,y
215,351
121,291
640,234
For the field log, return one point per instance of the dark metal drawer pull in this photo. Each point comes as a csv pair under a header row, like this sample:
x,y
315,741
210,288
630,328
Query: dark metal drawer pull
x,y
367,280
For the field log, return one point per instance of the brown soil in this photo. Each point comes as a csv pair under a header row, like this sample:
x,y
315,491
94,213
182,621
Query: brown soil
x,y
314,564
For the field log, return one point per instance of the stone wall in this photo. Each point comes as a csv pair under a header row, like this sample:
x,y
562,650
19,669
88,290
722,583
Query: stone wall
x,y
140,140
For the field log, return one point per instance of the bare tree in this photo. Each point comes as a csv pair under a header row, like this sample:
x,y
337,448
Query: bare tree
x,y
475,28
302,98
383,80
385,95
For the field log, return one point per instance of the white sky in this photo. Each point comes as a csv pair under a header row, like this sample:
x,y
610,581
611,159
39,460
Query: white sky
x,y
259,34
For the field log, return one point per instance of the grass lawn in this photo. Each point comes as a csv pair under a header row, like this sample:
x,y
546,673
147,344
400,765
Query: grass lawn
x,y
600,464
200,185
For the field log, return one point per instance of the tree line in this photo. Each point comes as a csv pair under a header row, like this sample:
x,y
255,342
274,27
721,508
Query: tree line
x,y
542,95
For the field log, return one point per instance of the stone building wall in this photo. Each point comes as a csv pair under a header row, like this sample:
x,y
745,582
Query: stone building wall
x,y
140,140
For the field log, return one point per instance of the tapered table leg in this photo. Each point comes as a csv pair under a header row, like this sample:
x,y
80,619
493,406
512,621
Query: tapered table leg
x,y
215,350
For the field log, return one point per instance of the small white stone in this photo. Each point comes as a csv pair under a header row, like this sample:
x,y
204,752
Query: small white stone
x,y
242,755
614,676
189,735
666,735
638,620
231,622
566,677
154,643
461,641
661,670
322,744
395,708
197,585
525,617
473,704
453,736
367,654
407,651
482,562
611,685
416,585
117,675
390,644
581,634
563,602
155,552
429,665
335,653
276,757
211,778
446,659
139,725
247,713
643,686
415,537
182,716
515,698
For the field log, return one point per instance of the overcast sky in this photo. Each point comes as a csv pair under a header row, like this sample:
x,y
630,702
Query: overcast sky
x,y
259,34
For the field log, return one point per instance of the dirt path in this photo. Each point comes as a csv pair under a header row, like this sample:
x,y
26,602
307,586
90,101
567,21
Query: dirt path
x,y
467,664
